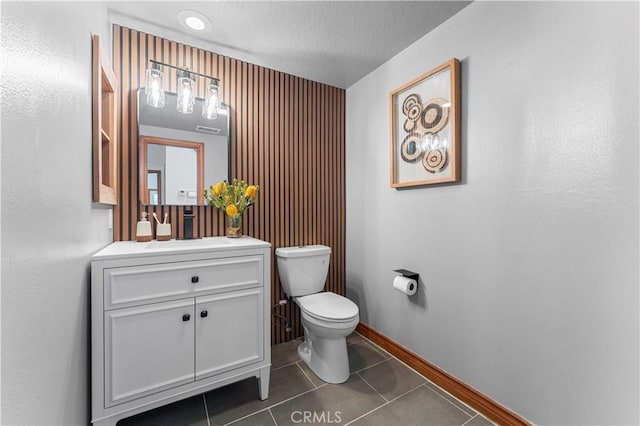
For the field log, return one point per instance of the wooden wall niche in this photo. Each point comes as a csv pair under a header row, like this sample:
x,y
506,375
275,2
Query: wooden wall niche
x,y
105,135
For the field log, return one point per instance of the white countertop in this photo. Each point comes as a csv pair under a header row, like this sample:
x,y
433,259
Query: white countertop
x,y
123,249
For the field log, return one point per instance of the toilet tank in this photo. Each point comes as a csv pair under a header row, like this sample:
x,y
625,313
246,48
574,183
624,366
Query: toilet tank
x,y
303,270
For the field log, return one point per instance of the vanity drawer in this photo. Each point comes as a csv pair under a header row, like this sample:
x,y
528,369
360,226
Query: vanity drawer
x,y
130,285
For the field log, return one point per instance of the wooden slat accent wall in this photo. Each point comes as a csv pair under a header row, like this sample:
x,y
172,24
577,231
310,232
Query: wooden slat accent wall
x,y
287,135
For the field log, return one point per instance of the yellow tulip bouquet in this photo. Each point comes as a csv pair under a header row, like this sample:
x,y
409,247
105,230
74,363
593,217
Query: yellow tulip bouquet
x,y
233,198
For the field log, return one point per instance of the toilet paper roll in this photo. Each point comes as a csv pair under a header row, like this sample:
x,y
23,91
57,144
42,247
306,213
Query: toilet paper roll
x,y
405,285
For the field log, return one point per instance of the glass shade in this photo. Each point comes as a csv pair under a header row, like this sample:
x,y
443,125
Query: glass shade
x,y
211,102
153,88
186,96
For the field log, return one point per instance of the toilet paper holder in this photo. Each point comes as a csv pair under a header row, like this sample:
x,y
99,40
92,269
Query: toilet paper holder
x,y
409,274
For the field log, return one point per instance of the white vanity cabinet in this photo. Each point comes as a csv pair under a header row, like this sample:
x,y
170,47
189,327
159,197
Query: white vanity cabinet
x,y
174,319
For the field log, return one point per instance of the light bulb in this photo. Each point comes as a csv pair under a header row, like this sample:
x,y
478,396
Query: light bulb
x,y
186,98
211,102
153,88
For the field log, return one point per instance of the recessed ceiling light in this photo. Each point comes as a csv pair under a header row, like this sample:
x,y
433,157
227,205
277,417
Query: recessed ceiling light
x,y
194,21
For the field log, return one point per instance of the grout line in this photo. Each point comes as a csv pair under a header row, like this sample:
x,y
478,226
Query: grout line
x,y
410,367
377,349
478,415
206,409
403,394
272,416
279,403
244,417
376,390
306,375
369,366
484,418
452,397
295,396
380,406
449,401
469,420
367,413
283,366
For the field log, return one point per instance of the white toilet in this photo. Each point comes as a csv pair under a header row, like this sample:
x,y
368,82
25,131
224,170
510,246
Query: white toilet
x,y
327,318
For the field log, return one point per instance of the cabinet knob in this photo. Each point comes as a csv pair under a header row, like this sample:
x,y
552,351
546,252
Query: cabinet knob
x,y
204,314
186,317
195,279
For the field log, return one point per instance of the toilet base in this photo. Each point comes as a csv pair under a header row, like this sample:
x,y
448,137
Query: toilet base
x,y
327,358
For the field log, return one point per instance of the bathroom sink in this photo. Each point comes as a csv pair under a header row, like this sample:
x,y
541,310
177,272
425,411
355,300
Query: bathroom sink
x,y
199,242
126,249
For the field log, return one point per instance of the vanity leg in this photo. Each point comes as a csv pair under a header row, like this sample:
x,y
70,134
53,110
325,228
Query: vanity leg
x,y
265,372
109,421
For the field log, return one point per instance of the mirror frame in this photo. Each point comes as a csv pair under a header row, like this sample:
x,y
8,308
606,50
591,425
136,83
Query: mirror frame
x,y
143,167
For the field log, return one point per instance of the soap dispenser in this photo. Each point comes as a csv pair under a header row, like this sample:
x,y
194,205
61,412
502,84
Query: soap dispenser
x,y
143,230
188,223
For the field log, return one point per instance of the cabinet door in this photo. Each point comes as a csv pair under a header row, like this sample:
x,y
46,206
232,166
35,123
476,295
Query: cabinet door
x,y
148,349
229,331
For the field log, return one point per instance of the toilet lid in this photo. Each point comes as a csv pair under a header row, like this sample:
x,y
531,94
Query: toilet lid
x,y
328,305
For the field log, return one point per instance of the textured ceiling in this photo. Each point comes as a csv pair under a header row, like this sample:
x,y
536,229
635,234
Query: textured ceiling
x,y
327,41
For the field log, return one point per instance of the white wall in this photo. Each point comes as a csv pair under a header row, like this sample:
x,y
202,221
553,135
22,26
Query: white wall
x,y
529,266
50,226
156,160
216,160
179,166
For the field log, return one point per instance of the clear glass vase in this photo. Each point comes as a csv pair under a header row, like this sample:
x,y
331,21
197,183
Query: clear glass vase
x,y
234,226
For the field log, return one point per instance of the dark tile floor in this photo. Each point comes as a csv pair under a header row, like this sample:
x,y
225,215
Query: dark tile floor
x,y
380,391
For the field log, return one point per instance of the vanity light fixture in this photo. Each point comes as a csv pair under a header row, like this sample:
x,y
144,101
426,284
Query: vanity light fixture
x,y
186,90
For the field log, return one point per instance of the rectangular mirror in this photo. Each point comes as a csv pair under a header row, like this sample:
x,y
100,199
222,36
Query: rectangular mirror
x,y
180,154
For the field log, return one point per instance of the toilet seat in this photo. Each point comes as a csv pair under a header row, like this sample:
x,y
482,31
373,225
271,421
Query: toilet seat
x,y
328,306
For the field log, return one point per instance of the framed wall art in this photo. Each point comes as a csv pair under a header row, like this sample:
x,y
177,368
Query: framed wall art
x,y
425,128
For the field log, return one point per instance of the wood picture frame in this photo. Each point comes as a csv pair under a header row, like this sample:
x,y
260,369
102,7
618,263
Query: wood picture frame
x,y
425,128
